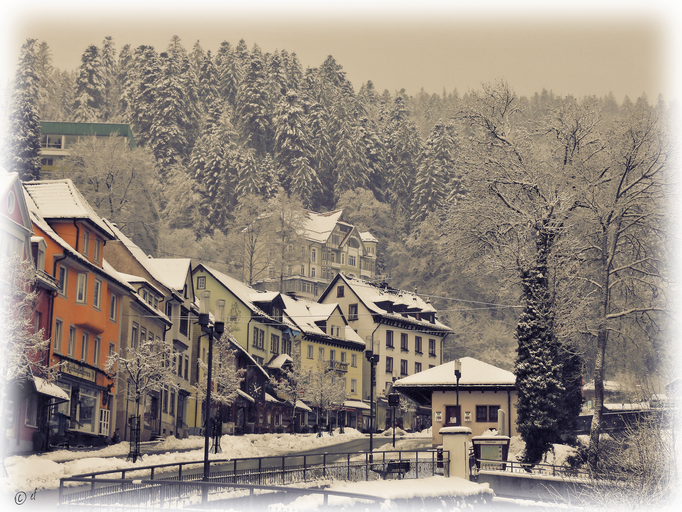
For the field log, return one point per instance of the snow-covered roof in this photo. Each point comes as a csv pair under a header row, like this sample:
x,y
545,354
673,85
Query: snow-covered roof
x,y
371,295
279,361
303,406
474,373
60,199
356,404
366,236
244,395
319,226
173,271
244,292
305,313
137,279
106,269
609,385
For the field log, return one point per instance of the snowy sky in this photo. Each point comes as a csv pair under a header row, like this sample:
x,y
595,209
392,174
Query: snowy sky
x,y
579,47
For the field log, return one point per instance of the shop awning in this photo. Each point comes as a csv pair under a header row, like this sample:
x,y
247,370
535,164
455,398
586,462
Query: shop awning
x,y
355,404
52,390
244,395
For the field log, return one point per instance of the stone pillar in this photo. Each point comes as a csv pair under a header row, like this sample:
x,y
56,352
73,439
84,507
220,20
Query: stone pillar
x,y
456,442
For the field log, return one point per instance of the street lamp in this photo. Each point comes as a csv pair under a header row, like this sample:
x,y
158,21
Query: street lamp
x,y
373,358
217,329
458,374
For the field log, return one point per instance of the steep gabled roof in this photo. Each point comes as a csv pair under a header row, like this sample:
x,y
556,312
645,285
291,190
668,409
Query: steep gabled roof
x,y
373,296
319,226
61,200
305,314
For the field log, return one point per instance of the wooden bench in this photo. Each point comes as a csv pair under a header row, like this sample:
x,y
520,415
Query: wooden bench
x,y
392,467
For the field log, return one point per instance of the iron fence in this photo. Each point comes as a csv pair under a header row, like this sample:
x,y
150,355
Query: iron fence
x,y
177,485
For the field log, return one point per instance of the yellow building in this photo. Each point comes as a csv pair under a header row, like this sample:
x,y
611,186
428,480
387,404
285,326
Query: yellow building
x,y
484,390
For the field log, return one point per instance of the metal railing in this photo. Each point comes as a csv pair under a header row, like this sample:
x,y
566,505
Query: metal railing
x,y
178,484
531,469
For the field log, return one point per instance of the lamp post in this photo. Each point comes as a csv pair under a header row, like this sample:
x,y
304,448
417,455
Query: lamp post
x,y
458,374
217,328
373,359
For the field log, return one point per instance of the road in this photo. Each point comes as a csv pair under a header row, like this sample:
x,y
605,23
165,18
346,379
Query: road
x,y
47,500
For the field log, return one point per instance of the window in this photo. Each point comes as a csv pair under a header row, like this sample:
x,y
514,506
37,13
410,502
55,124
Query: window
x,y
81,288
72,342
403,367
332,355
172,403
351,260
389,339
320,354
86,243
274,344
354,360
417,367
353,386
97,297
432,348
31,410
112,348
61,281
487,413
143,335
310,351
98,250
165,399
169,309
184,321
340,291
417,344
352,312
302,270
312,272
84,347
201,283
343,357
87,406
113,308
37,321
57,336
186,368
389,365
343,258
404,345
313,255
133,335
95,351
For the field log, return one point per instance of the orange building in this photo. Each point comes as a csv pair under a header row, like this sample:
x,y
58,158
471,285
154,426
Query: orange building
x,y
86,312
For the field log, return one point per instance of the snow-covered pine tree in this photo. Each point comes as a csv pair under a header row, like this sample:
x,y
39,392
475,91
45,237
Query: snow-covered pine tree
x,y
141,92
169,116
374,151
90,87
538,368
436,163
403,145
47,86
22,154
291,137
252,105
269,176
352,167
249,179
110,72
230,73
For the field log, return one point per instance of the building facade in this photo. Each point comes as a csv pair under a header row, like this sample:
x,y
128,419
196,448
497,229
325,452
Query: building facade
x,y
329,245
398,326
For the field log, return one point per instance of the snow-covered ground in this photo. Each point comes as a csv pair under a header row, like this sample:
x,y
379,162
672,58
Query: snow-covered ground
x,y
40,472
44,471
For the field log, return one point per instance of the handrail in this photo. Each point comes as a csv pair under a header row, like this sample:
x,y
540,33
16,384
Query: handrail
x,y
527,468
297,490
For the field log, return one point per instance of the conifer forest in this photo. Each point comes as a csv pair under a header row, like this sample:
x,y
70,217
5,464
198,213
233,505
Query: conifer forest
x,y
534,224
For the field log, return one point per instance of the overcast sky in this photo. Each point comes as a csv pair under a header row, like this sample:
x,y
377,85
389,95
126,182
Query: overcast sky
x,y
623,47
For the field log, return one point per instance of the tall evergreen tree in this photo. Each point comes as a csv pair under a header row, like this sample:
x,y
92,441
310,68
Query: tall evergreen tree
x,y
90,87
22,154
291,137
110,73
436,166
352,166
141,92
252,106
46,104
